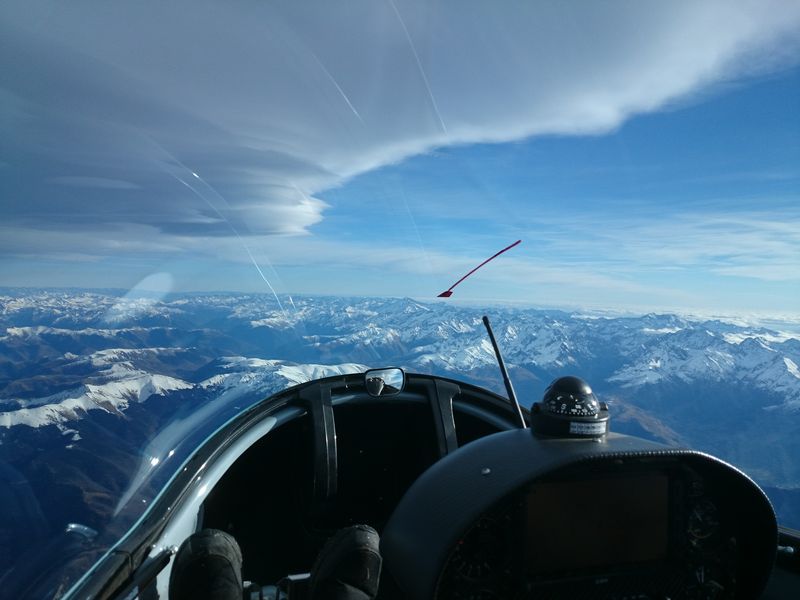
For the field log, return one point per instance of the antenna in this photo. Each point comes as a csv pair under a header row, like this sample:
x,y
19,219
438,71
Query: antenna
x,y
509,388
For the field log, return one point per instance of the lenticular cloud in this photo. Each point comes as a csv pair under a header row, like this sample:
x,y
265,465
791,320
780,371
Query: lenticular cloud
x,y
216,120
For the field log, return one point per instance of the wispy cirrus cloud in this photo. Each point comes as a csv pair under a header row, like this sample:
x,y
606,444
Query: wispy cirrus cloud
x,y
759,245
94,182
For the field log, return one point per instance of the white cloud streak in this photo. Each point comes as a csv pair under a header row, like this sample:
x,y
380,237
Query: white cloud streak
x,y
743,243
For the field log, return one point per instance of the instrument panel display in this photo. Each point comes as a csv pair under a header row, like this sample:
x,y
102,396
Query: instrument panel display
x,y
593,523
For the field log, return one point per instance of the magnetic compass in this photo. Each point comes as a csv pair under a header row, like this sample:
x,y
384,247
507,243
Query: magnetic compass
x,y
570,408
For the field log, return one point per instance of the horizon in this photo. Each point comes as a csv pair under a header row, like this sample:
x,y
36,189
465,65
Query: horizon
x,y
777,323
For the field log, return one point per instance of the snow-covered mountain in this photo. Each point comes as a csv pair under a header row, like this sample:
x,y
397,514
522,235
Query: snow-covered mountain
x,y
118,382
77,365
97,351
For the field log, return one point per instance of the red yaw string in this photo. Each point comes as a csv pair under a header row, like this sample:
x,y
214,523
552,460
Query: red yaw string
x,y
449,291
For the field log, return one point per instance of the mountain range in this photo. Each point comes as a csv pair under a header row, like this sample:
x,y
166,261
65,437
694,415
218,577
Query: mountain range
x,y
80,368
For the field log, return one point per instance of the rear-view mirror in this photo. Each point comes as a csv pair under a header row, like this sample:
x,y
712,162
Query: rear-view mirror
x,y
384,382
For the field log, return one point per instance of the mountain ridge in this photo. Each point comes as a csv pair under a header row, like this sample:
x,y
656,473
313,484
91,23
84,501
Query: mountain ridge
x,y
83,370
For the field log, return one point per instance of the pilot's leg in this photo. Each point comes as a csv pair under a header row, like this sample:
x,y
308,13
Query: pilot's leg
x,y
208,566
348,566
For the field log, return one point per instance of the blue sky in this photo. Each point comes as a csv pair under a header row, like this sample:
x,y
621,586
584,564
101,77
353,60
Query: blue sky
x,y
698,200
647,155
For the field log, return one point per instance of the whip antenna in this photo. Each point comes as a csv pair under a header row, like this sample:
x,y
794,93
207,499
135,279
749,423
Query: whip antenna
x,y
509,388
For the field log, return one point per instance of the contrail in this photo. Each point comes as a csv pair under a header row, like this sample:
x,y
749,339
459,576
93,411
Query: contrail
x,y
419,66
337,86
260,272
236,233
416,229
224,218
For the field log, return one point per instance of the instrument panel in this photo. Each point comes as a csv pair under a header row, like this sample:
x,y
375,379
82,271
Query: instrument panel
x,y
517,515
636,530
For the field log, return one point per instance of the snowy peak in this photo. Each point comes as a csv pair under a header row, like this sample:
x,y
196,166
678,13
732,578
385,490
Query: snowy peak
x,y
122,385
63,350
113,396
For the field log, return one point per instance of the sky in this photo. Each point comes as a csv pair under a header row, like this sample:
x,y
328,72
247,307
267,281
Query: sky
x,y
647,154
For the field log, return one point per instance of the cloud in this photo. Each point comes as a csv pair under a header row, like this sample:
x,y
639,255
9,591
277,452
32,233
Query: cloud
x,y
190,120
94,182
729,241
